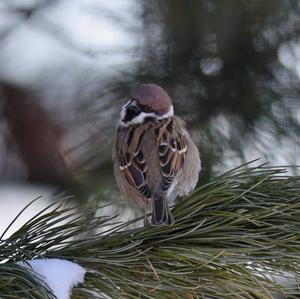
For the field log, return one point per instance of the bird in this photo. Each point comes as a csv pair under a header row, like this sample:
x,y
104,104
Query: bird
x,y
155,160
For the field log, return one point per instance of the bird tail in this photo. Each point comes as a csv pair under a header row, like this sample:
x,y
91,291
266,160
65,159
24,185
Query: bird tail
x,y
160,212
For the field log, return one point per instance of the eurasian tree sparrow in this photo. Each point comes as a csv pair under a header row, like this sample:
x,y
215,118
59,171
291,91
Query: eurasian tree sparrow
x,y
155,159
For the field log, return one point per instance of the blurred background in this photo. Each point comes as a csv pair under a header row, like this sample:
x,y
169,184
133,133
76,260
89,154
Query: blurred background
x,y
231,67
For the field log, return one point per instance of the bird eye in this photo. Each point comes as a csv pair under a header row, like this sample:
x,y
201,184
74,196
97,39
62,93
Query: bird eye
x,y
146,109
134,109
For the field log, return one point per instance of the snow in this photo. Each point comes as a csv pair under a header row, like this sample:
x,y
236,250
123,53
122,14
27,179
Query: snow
x,y
60,275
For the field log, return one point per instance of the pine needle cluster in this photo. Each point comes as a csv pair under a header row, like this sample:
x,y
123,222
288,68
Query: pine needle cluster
x,y
236,237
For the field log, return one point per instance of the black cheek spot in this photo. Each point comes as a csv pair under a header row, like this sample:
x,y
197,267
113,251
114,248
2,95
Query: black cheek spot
x,y
131,113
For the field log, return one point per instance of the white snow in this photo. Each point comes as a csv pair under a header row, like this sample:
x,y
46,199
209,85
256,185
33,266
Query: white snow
x,y
60,275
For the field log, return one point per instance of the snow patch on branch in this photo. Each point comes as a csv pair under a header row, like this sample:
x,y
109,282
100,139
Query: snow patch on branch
x,y
60,275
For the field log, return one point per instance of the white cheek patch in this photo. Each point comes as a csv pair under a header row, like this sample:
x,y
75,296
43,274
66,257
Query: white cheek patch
x,y
136,120
142,116
170,113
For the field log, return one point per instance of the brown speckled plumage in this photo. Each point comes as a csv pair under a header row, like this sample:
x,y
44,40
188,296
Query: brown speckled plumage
x,y
155,161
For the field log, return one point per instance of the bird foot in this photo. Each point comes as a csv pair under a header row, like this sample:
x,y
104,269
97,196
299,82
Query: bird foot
x,y
146,222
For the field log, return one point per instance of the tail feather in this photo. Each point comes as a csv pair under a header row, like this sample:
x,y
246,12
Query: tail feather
x,y
160,212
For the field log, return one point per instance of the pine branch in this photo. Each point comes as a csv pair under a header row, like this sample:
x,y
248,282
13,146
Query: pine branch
x,y
231,238
17,282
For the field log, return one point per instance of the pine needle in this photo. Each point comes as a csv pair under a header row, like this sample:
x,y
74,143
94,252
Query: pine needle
x,y
232,236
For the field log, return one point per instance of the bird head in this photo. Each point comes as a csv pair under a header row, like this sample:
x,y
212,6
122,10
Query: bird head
x,y
147,102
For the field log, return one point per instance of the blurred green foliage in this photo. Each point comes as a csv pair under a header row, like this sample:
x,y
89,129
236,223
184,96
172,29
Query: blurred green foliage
x,y
229,66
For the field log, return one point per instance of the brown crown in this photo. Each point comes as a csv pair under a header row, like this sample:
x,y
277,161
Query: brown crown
x,y
153,96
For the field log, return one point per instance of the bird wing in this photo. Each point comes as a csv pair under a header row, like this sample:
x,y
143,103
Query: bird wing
x,y
172,147
132,161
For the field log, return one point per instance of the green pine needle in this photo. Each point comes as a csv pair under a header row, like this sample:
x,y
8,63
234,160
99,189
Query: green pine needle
x,y
231,237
